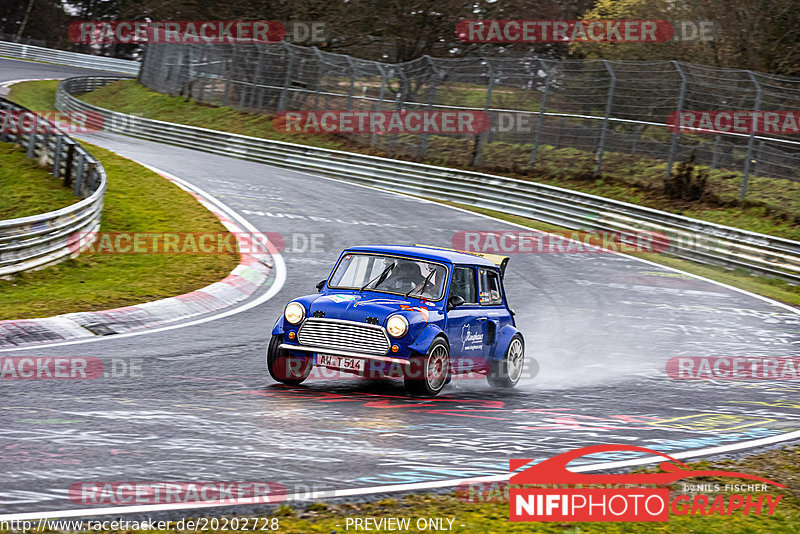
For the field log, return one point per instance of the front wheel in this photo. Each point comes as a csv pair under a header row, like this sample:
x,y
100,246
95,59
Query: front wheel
x,y
428,373
285,368
506,373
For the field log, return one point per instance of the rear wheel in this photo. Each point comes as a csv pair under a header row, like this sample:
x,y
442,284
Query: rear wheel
x,y
428,373
506,373
284,367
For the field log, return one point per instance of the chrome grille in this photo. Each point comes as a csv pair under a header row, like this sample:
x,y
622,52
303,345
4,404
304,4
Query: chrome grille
x,y
343,335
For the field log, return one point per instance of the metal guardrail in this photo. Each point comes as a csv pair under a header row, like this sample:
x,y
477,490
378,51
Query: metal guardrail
x,y
692,239
39,240
72,59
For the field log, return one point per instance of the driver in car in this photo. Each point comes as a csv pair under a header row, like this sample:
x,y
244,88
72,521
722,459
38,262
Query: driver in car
x,y
405,277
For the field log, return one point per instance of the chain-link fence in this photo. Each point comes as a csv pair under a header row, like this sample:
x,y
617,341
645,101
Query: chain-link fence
x,y
602,110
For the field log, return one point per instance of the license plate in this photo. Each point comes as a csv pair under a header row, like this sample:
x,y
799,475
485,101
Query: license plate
x,y
341,362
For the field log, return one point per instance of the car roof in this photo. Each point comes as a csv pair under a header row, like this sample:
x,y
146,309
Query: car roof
x,y
427,253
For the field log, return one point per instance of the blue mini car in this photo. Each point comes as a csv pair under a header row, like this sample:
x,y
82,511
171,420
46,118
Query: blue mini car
x,y
416,312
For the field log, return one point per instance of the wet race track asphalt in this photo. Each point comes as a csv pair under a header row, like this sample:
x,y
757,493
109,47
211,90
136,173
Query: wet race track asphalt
x,y
202,406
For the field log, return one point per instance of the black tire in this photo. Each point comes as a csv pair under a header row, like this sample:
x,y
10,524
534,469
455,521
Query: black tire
x,y
505,373
284,368
428,373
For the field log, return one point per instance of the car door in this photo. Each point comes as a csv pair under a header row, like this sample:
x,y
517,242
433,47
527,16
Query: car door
x,y
490,296
466,325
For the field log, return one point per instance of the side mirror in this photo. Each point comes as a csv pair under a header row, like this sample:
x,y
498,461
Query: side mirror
x,y
454,302
321,284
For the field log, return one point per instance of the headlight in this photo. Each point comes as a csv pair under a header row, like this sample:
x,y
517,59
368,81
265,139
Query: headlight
x,y
397,326
294,312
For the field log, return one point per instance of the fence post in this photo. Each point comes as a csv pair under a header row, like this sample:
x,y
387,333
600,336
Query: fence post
x,y
203,63
229,77
351,62
609,99
423,142
675,135
379,104
320,73
715,155
481,140
254,86
399,101
288,78
537,134
757,107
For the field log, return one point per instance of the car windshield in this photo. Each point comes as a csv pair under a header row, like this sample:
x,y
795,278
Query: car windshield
x,y
389,274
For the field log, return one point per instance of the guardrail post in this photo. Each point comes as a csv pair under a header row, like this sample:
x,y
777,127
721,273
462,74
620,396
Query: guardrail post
x,y
609,100
78,177
32,137
675,135
542,110
379,104
481,137
287,80
68,164
57,156
756,107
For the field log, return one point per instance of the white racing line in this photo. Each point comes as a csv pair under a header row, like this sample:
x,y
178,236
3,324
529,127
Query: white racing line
x,y
280,272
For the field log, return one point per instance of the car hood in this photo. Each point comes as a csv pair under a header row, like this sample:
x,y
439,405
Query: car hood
x,y
357,307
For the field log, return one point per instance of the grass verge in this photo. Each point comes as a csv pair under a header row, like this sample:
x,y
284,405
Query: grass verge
x,y
137,201
28,188
773,205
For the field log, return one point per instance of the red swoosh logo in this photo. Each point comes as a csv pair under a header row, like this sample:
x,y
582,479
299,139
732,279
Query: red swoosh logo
x,y
554,470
